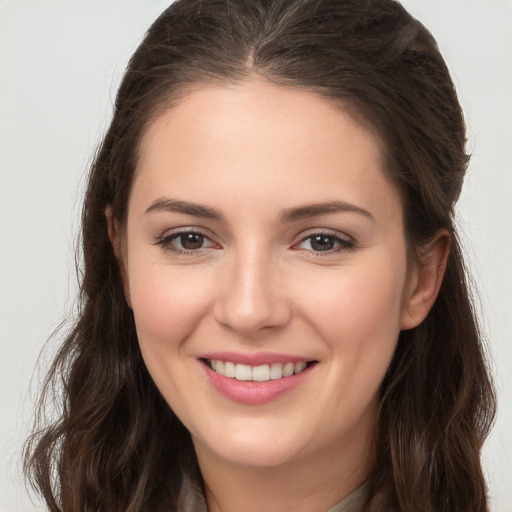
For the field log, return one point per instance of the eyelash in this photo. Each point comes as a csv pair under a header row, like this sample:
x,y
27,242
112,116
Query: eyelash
x,y
343,244
166,242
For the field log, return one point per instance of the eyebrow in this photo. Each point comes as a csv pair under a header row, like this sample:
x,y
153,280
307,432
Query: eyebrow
x,y
173,205
288,215
317,209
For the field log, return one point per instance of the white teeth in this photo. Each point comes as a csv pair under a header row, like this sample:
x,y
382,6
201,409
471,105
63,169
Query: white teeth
x,y
243,372
299,367
276,371
288,369
260,373
229,369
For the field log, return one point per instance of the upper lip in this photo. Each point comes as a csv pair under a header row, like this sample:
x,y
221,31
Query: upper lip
x,y
255,359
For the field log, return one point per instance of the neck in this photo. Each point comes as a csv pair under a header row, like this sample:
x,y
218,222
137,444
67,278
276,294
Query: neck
x,y
312,484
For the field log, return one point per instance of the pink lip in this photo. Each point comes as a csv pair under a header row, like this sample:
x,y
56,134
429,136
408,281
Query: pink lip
x,y
250,392
255,359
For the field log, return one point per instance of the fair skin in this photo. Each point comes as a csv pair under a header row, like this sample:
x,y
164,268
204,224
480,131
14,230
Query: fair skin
x,y
221,260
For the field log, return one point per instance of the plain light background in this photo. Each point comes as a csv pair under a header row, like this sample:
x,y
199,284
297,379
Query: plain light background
x,y
60,64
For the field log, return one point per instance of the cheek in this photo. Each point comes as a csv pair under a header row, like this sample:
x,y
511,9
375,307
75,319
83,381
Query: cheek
x,y
357,313
358,298
358,318
167,304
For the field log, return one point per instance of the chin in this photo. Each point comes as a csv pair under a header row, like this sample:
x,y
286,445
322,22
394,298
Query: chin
x,y
251,450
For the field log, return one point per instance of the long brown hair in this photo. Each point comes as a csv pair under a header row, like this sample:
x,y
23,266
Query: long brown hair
x,y
116,444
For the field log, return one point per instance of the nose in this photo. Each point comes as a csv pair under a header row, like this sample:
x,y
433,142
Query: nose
x,y
252,297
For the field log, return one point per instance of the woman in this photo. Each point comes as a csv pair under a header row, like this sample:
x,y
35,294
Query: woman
x,y
274,309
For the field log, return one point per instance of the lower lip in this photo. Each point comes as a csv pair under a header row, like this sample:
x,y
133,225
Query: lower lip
x,y
251,392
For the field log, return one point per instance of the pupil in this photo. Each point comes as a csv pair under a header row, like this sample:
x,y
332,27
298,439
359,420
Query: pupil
x,y
322,243
192,241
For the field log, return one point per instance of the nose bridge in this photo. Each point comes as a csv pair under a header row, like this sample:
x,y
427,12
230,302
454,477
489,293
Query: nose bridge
x,y
252,295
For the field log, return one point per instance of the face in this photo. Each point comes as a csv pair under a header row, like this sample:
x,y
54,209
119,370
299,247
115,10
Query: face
x,y
265,263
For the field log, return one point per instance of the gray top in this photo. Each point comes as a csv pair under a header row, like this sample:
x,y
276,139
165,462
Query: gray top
x,y
354,502
192,499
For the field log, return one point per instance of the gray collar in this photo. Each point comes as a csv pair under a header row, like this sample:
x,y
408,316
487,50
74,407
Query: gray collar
x,y
354,502
192,499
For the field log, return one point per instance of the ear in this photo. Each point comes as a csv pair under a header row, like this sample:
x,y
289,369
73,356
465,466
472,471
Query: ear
x,y
114,235
425,280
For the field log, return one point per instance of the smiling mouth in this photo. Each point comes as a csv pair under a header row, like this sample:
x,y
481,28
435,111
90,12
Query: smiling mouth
x,y
261,373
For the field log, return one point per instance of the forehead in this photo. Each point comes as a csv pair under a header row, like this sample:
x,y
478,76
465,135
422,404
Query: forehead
x,y
255,138
250,105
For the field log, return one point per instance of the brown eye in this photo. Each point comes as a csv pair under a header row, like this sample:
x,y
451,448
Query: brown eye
x,y
186,242
191,241
325,242
322,242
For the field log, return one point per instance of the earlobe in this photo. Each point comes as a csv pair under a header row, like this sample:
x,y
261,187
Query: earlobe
x,y
425,280
115,239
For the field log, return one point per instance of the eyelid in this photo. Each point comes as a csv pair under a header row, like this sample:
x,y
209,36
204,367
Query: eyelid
x,y
168,236
345,241
164,240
